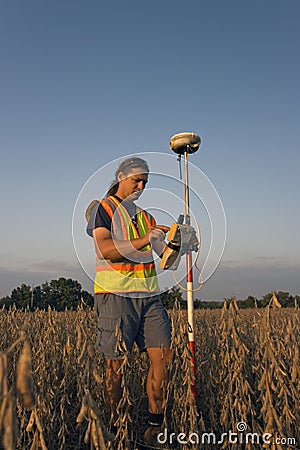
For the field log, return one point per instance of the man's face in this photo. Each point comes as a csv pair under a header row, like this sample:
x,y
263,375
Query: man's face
x,y
132,185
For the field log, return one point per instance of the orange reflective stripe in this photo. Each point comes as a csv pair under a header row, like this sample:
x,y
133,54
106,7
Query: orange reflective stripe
x,y
118,209
131,267
107,208
132,291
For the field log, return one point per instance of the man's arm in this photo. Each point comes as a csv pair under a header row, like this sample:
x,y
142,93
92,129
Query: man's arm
x,y
114,249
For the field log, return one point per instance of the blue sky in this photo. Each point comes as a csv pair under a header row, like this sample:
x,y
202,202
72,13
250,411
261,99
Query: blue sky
x,y
85,83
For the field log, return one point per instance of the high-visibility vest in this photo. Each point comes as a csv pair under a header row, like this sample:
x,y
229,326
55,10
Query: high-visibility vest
x,y
126,275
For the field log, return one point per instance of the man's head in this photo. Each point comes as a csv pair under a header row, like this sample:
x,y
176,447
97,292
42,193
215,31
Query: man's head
x,y
130,179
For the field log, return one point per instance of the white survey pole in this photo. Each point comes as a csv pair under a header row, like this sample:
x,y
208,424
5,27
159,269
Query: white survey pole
x,y
189,280
185,144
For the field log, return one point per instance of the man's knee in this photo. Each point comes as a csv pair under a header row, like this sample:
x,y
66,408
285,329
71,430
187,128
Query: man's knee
x,y
113,370
160,356
114,364
167,354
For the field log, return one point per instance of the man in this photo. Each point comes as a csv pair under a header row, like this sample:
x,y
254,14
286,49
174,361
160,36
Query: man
x,y
126,288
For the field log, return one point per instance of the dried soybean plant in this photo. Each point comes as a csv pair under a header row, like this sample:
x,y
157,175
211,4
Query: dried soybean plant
x,y
208,367
8,427
279,379
96,433
182,416
236,394
24,392
248,370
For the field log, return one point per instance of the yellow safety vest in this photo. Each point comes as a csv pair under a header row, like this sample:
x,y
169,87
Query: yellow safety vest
x,y
125,275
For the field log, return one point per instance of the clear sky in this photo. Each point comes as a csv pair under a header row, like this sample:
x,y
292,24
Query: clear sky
x,y
84,83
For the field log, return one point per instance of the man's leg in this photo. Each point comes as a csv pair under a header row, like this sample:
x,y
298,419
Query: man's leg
x,y
113,388
156,386
157,376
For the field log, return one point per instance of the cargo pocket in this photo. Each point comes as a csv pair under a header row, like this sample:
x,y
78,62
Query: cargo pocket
x,y
109,334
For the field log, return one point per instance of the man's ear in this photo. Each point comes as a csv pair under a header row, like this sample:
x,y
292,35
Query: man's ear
x,y
121,176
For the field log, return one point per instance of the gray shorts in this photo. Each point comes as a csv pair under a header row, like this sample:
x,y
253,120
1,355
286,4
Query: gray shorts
x,y
125,320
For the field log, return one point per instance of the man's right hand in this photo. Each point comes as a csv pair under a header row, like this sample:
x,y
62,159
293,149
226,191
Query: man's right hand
x,y
157,236
157,233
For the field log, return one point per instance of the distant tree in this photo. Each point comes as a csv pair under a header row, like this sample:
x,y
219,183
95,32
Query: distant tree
x,y
284,298
212,304
36,297
250,302
22,296
174,297
6,301
197,303
265,300
171,297
58,294
61,294
227,300
86,299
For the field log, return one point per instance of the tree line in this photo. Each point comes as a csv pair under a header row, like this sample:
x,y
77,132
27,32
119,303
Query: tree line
x,y
57,294
175,296
65,293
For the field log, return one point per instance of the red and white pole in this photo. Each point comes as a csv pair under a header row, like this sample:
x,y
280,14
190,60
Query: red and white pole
x,y
184,144
189,281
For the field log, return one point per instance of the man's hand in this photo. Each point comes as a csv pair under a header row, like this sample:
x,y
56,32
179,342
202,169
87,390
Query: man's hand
x,y
157,236
162,228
